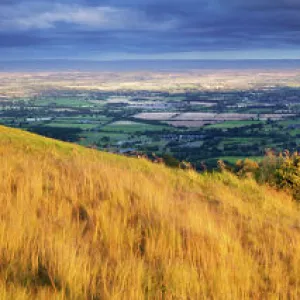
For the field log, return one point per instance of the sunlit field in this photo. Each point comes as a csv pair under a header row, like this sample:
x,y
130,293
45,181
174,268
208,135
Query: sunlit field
x,y
81,224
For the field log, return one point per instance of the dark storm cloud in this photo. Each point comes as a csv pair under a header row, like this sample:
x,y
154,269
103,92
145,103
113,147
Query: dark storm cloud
x,y
150,26
8,40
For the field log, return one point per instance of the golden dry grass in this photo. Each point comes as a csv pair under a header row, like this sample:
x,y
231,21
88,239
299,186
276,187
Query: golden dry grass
x,y
80,224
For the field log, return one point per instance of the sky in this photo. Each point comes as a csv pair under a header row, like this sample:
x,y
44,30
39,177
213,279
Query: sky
x,y
149,29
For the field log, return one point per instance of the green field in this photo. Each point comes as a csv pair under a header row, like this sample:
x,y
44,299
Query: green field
x,y
64,102
89,138
72,125
93,118
233,159
233,124
133,127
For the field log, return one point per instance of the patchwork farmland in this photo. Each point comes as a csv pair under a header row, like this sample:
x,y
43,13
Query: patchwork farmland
x,y
194,116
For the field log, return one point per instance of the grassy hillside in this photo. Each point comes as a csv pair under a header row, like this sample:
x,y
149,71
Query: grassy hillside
x,y
80,224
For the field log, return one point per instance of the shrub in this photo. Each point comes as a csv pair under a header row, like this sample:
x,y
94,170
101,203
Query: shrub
x,y
281,171
287,176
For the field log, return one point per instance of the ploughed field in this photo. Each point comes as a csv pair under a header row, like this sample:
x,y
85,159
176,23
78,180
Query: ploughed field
x,y
199,119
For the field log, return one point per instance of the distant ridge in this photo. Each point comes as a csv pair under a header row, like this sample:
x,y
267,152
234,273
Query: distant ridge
x,y
144,65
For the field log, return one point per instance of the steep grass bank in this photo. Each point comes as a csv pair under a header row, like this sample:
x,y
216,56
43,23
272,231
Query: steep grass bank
x,y
81,224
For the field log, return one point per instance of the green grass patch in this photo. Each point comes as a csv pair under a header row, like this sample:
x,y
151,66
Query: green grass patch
x,y
64,102
132,127
234,124
72,125
89,138
234,159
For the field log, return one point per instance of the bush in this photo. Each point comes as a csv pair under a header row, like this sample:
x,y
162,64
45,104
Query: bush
x,y
247,167
281,171
288,175
171,161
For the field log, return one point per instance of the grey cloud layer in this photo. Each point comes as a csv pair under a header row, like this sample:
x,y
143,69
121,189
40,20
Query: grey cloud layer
x,y
150,26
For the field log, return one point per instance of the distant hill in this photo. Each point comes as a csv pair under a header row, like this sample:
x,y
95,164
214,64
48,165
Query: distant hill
x,y
81,224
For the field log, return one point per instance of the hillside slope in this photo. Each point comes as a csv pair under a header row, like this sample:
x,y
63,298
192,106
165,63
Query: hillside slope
x,y
81,224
